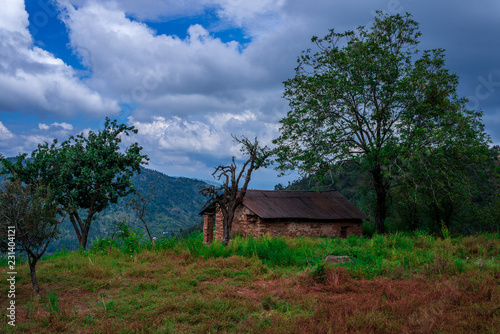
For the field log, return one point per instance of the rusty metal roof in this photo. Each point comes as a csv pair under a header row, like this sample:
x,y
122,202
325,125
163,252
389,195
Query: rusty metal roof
x,y
325,205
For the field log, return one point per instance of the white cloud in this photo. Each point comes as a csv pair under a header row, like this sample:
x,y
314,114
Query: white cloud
x,y
210,136
33,80
148,9
187,96
5,133
178,135
238,11
63,125
255,17
192,148
13,17
57,130
139,65
12,144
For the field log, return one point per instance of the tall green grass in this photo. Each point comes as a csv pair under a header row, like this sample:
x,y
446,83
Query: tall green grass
x,y
398,255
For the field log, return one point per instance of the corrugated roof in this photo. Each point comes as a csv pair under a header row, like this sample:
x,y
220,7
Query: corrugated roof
x,y
325,205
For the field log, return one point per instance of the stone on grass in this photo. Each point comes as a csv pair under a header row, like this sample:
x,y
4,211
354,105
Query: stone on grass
x,y
337,259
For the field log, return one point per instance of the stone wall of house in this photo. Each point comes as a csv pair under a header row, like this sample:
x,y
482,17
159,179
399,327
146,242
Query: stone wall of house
x,y
246,222
297,228
208,228
218,225
241,225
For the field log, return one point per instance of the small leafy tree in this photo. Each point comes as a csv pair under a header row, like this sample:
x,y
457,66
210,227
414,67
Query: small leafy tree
x,y
86,172
139,202
129,240
228,196
364,97
31,212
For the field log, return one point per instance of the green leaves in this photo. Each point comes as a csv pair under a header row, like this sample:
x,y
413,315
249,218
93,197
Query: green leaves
x,y
84,172
363,96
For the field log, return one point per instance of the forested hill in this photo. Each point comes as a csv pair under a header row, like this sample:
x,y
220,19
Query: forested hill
x,y
174,204
478,211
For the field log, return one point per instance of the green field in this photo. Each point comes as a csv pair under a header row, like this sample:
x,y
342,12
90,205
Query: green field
x,y
398,283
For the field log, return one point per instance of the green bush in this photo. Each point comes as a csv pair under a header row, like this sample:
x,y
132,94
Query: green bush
x,y
104,245
166,243
128,239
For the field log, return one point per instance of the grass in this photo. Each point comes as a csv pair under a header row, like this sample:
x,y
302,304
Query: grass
x,y
396,283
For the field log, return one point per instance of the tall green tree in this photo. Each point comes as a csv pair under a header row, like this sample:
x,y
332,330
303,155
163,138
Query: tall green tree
x,y
28,221
364,96
86,172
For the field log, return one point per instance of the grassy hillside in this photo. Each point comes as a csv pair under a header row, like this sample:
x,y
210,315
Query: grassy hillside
x,y
396,284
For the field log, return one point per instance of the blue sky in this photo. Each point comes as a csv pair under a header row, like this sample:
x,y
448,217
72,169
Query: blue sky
x,y
190,74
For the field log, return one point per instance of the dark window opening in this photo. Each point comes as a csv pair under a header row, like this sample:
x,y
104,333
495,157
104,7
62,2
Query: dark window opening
x,y
343,231
252,218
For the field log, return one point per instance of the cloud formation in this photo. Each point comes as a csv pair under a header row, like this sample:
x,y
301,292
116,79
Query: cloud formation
x,y
34,81
188,95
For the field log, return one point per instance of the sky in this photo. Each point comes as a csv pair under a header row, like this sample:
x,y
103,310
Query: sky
x,y
189,74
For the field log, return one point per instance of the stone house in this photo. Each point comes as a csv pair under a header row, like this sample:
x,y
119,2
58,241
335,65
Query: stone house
x,y
288,213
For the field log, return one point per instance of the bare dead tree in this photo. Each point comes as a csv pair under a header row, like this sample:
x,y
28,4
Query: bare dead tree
x,y
228,196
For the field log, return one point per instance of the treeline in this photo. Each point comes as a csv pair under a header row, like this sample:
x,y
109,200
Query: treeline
x,y
461,213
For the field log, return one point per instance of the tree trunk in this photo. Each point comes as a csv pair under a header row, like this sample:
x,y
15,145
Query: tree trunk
x,y
443,213
226,228
75,223
147,229
83,240
414,221
34,281
381,205
82,229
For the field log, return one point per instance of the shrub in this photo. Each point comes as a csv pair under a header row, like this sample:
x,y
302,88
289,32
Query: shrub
x,y
128,239
104,245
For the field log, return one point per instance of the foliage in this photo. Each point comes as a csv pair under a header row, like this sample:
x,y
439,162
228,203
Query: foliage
x,y
129,240
85,172
319,272
28,221
478,214
104,245
228,196
365,98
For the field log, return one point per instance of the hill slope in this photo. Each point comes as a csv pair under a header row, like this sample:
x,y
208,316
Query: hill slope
x,y
175,206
